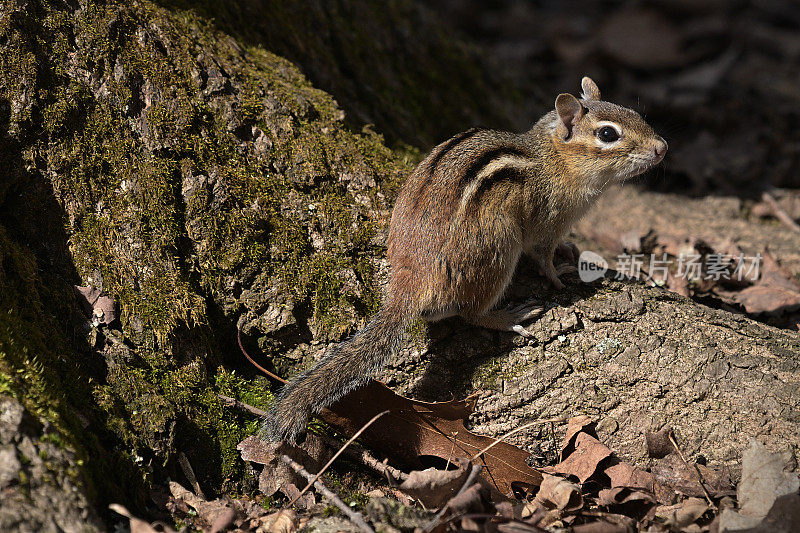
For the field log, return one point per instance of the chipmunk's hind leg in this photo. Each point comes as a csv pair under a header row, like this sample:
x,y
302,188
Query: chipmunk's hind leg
x,y
509,318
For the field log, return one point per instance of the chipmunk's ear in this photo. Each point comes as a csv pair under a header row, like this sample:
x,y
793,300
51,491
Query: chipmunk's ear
x,y
569,111
590,89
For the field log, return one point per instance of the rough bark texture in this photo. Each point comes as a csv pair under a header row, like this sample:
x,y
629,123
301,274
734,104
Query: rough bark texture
x,y
392,64
40,479
203,184
634,358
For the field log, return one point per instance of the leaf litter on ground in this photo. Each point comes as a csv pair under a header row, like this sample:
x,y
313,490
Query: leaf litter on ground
x,y
476,483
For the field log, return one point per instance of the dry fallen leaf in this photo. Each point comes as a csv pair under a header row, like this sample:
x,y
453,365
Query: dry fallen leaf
x,y
474,500
764,485
582,454
414,430
211,512
434,487
621,495
775,292
658,443
673,473
683,514
624,475
558,493
101,308
284,521
276,475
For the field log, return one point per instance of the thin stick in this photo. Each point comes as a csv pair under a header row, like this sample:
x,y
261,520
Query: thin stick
x,y
517,430
252,362
393,474
233,402
699,475
362,455
476,469
354,516
452,450
779,212
335,456
189,473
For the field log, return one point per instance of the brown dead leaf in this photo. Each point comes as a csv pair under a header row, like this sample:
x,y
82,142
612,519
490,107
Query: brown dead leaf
x,y
276,475
575,425
475,499
223,521
414,430
624,475
681,515
434,487
101,308
776,292
558,493
628,501
620,495
768,494
582,456
211,512
284,521
672,472
605,523
256,450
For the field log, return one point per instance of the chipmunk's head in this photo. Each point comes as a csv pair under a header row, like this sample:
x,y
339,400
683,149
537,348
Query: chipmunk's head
x,y
601,141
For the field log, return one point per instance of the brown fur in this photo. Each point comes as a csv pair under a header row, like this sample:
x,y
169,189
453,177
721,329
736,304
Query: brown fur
x,y
460,224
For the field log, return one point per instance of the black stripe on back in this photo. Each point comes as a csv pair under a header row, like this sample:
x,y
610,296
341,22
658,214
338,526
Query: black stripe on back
x,y
449,145
508,174
475,168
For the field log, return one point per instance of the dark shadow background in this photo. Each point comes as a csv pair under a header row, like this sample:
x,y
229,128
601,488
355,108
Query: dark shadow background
x,y
719,79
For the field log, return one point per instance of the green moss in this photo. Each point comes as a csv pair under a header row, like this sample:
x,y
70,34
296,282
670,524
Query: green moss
x,y
356,59
151,174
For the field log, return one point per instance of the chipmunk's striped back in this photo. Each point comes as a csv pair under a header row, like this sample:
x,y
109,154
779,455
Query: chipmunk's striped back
x,y
463,218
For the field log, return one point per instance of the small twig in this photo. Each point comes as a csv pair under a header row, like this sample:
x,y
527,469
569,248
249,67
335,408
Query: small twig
x,y
354,516
516,430
189,473
780,213
252,362
335,456
362,455
233,402
476,469
452,450
393,474
697,470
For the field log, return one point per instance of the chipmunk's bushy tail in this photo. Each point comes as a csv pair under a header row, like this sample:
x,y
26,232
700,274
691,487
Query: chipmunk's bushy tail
x,y
348,366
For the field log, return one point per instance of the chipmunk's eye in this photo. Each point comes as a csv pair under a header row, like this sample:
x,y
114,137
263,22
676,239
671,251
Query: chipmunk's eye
x,y
607,134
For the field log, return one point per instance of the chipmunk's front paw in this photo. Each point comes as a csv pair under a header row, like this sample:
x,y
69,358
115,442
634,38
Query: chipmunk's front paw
x,y
569,251
285,425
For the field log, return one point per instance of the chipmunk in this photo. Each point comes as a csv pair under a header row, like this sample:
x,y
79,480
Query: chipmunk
x,y
461,222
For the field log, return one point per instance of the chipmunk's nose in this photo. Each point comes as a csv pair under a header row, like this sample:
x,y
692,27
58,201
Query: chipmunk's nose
x,y
660,148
